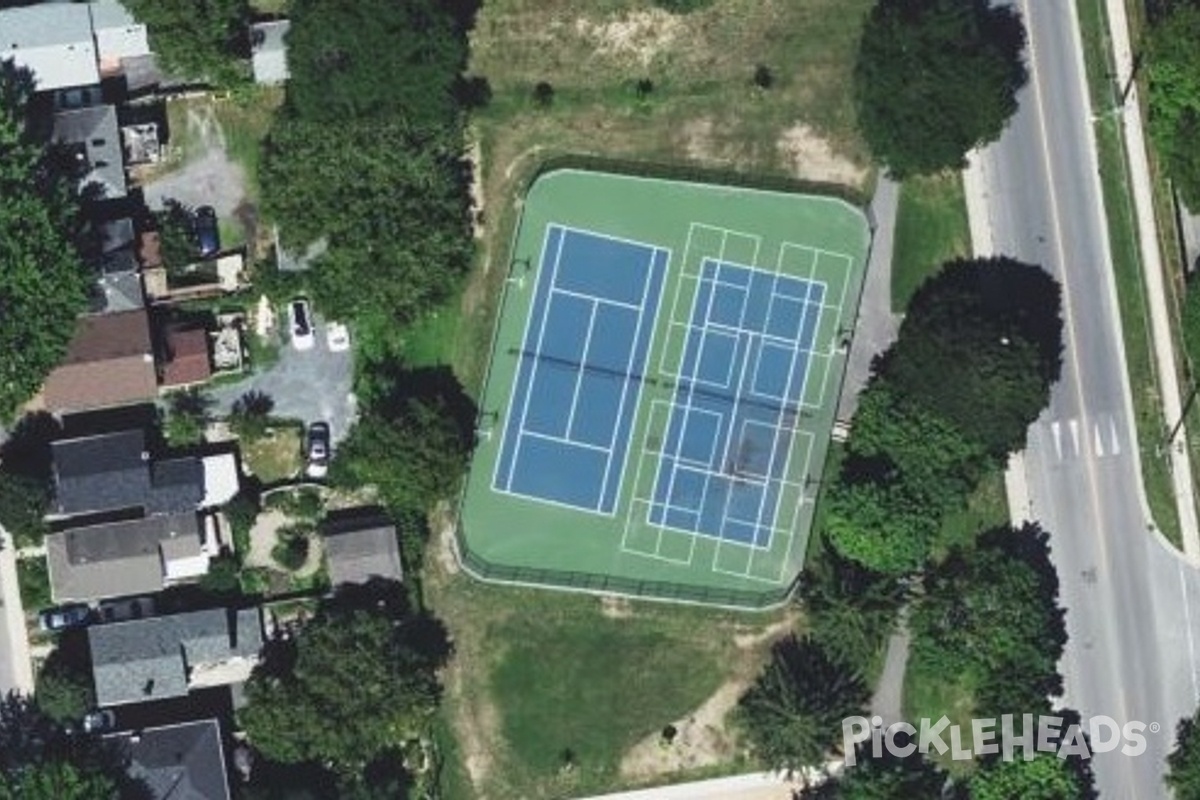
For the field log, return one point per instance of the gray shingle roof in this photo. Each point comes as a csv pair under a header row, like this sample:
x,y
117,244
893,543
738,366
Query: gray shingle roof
x,y
151,659
52,40
115,559
96,141
177,762
357,556
112,471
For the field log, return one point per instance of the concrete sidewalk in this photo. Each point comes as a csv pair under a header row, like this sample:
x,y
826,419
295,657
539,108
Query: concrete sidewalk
x,y
1153,270
752,786
16,667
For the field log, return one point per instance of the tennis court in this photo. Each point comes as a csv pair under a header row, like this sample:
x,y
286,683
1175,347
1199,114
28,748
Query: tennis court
x,y
662,387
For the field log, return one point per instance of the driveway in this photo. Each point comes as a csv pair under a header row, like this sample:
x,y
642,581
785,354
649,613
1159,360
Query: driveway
x,y
307,385
207,177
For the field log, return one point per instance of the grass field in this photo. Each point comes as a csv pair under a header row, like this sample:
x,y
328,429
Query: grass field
x,y
538,673
790,236
1127,269
931,229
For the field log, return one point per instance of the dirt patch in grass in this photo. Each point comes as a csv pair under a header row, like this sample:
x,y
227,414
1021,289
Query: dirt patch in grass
x,y
812,156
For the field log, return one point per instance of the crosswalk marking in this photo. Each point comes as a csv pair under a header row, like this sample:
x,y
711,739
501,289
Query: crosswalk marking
x,y
1074,425
1116,443
1056,430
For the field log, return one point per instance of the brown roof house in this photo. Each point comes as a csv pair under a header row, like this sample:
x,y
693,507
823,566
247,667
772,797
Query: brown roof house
x,y
109,363
186,362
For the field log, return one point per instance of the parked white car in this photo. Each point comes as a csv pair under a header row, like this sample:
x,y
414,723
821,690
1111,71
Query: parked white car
x,y
337,336
301,325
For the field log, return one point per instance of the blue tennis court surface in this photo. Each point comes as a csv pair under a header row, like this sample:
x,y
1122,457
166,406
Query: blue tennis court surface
x,y
577,386
740,384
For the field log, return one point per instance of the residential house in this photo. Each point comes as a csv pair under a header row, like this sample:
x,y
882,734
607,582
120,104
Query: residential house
x,y
186,360
71,47
54,42
114,472
360,555
176,762
118,559
114,265
268,51
163,657
118,36
109,363
89,140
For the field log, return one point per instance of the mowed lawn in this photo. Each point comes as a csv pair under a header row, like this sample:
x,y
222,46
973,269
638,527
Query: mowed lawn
x,y
931,229
549,691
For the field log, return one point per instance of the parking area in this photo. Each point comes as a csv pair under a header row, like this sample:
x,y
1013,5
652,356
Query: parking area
x,y
308,385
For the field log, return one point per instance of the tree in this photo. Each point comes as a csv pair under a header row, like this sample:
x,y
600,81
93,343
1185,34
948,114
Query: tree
x,y
250,414
991,614
980,347
850,610
792,715
43,285
896,438
1173,72
936,78
1183,764
201,41
176,225
64,695
390,199
187,417
374,59
885,778
317,704
1046,777
883,525
57,780
40,761
412,445
24,501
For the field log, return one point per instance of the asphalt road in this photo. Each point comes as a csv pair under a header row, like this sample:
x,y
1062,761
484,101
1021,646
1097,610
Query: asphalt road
x,y
1131,602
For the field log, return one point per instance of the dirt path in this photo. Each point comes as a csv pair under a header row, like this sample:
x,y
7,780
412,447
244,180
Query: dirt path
x,y
263,539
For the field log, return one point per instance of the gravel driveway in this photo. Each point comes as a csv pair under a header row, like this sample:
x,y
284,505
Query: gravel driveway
x,y
307,385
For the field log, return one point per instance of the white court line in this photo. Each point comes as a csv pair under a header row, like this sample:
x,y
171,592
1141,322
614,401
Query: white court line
x,y
512,392
700,358
712,451
651,277
533,370
591,298
595,448
691,391
608,236
587,343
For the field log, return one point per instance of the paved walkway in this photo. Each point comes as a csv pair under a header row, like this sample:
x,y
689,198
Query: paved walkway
x,y
1153,270
888,700
16,666
876,326
752,786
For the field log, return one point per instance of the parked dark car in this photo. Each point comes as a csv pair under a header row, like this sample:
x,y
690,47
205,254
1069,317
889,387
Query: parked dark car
x,y
101,720
208,237
57,619
318,450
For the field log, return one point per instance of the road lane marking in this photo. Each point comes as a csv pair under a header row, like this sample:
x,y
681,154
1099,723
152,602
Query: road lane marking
x,y
1099,441
1116,442
1074,423
1056,431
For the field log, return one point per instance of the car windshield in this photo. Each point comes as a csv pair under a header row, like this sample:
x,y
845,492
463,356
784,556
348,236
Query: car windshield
x,y
301,317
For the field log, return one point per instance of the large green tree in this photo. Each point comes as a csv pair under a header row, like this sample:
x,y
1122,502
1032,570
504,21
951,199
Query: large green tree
x,y
990,614
358,682
1183,764
980,347
792,715
374,59
203,41
389,198
411,443
43,285
850,610
57,780
1173,70
882,524
936,78
1046,777
367,154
